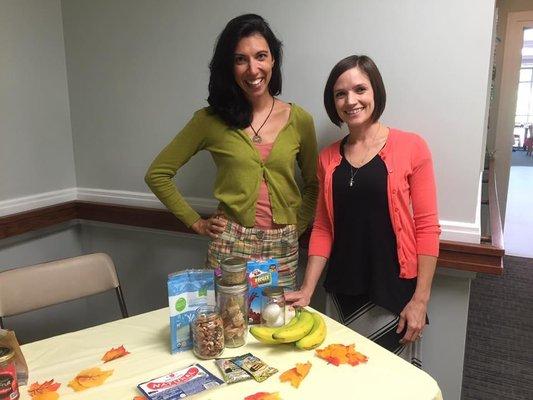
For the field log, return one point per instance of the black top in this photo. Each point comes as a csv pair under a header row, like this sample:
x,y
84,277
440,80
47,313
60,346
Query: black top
x,y
364,259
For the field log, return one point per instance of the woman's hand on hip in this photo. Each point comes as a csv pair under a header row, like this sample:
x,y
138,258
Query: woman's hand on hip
x,y
212,227
412,317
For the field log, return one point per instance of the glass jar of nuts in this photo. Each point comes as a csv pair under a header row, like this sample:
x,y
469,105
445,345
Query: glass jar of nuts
x,y
232,302
233,270
207,332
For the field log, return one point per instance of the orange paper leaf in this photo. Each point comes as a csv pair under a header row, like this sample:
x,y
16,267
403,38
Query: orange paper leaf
x,y
89,378
139,398
337,354
44,391
46,396
296,375
113,354
263,396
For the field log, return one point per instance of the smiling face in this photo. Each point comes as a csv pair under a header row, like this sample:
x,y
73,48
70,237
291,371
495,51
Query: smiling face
x,y
354,98
253,64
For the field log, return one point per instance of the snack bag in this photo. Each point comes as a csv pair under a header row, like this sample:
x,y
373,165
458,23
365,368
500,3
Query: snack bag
x,y
180,384
261,274
187,290
259,370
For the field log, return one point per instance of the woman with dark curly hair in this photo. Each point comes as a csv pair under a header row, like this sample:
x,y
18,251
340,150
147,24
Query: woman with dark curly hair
x,y
255,140
376,222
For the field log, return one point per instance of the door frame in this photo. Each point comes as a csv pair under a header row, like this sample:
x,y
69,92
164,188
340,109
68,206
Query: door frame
x,y
512,58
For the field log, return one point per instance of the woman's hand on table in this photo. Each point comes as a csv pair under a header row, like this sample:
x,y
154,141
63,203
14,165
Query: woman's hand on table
x,y
212,227
298,298
412,320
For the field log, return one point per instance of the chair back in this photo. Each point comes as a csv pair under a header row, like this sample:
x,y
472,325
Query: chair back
x,y
37,286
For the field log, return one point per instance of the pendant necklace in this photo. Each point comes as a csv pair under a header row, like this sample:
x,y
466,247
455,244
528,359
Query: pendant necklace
x,y
352,174
257,138
353,170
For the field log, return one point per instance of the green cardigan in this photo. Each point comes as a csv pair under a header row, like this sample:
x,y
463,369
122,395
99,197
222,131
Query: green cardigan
x,y
240,169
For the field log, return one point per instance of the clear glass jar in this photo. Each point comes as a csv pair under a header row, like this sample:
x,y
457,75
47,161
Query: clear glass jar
x,y
207,332
232,302
273,306
233,270
8,374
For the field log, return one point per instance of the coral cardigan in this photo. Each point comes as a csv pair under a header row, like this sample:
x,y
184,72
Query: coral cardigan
x,y
411,195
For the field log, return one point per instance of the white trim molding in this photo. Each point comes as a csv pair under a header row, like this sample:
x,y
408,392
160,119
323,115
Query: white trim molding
x,y
141,199
460,231
451,230
32,202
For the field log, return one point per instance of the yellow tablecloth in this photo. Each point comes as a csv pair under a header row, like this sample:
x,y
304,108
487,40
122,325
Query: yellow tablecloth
x,y
146,337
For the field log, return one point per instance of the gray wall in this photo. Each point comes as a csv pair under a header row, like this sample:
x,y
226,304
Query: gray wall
x,y
36,153
38,247
137,70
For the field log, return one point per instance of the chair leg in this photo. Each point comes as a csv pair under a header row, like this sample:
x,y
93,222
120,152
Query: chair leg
x,y
122,303
1,323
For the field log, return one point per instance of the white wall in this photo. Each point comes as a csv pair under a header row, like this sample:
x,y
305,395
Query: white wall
x,y
36,152
137,71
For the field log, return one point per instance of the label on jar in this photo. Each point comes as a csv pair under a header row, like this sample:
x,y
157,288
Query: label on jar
x,y
8,382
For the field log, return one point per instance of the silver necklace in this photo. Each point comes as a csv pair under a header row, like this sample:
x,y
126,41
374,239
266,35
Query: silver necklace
x,y
257,138
353,173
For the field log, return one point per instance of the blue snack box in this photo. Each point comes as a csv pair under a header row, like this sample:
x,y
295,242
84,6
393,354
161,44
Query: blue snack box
x,y
187,290
261,274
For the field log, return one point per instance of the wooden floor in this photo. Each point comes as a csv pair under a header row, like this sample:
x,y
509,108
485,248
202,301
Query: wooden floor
x,y
499,342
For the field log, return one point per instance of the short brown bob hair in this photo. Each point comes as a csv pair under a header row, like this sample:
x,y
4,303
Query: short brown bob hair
x,y
366,65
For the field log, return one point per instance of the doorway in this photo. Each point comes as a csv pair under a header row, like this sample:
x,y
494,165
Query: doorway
x,y
518,232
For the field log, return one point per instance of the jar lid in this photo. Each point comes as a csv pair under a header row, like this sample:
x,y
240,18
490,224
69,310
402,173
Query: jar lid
x,y
232,264
273,291
206,310
6,354
232,289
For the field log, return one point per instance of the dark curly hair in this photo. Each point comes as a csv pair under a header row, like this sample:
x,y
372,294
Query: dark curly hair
x,y
226,98
366,65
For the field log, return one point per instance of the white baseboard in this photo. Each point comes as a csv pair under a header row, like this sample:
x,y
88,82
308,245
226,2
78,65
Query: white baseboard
x,y
27,203
451,230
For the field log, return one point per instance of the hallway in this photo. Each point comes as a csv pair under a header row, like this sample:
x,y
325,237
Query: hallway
x,y
498,351
518,231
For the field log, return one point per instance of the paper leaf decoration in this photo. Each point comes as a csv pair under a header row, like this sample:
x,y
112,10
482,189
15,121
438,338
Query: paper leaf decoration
x,y
89,378
115,353
296,375
44,391
337,354
263,396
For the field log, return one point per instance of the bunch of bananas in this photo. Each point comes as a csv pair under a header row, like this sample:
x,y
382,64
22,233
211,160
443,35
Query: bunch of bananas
x,y
306,330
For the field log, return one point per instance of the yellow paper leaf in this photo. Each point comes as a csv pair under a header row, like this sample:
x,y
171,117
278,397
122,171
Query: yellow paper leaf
x,y
296,375
89,378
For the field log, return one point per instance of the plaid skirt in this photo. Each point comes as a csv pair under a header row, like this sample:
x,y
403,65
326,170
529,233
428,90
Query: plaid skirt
x,y
257,244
